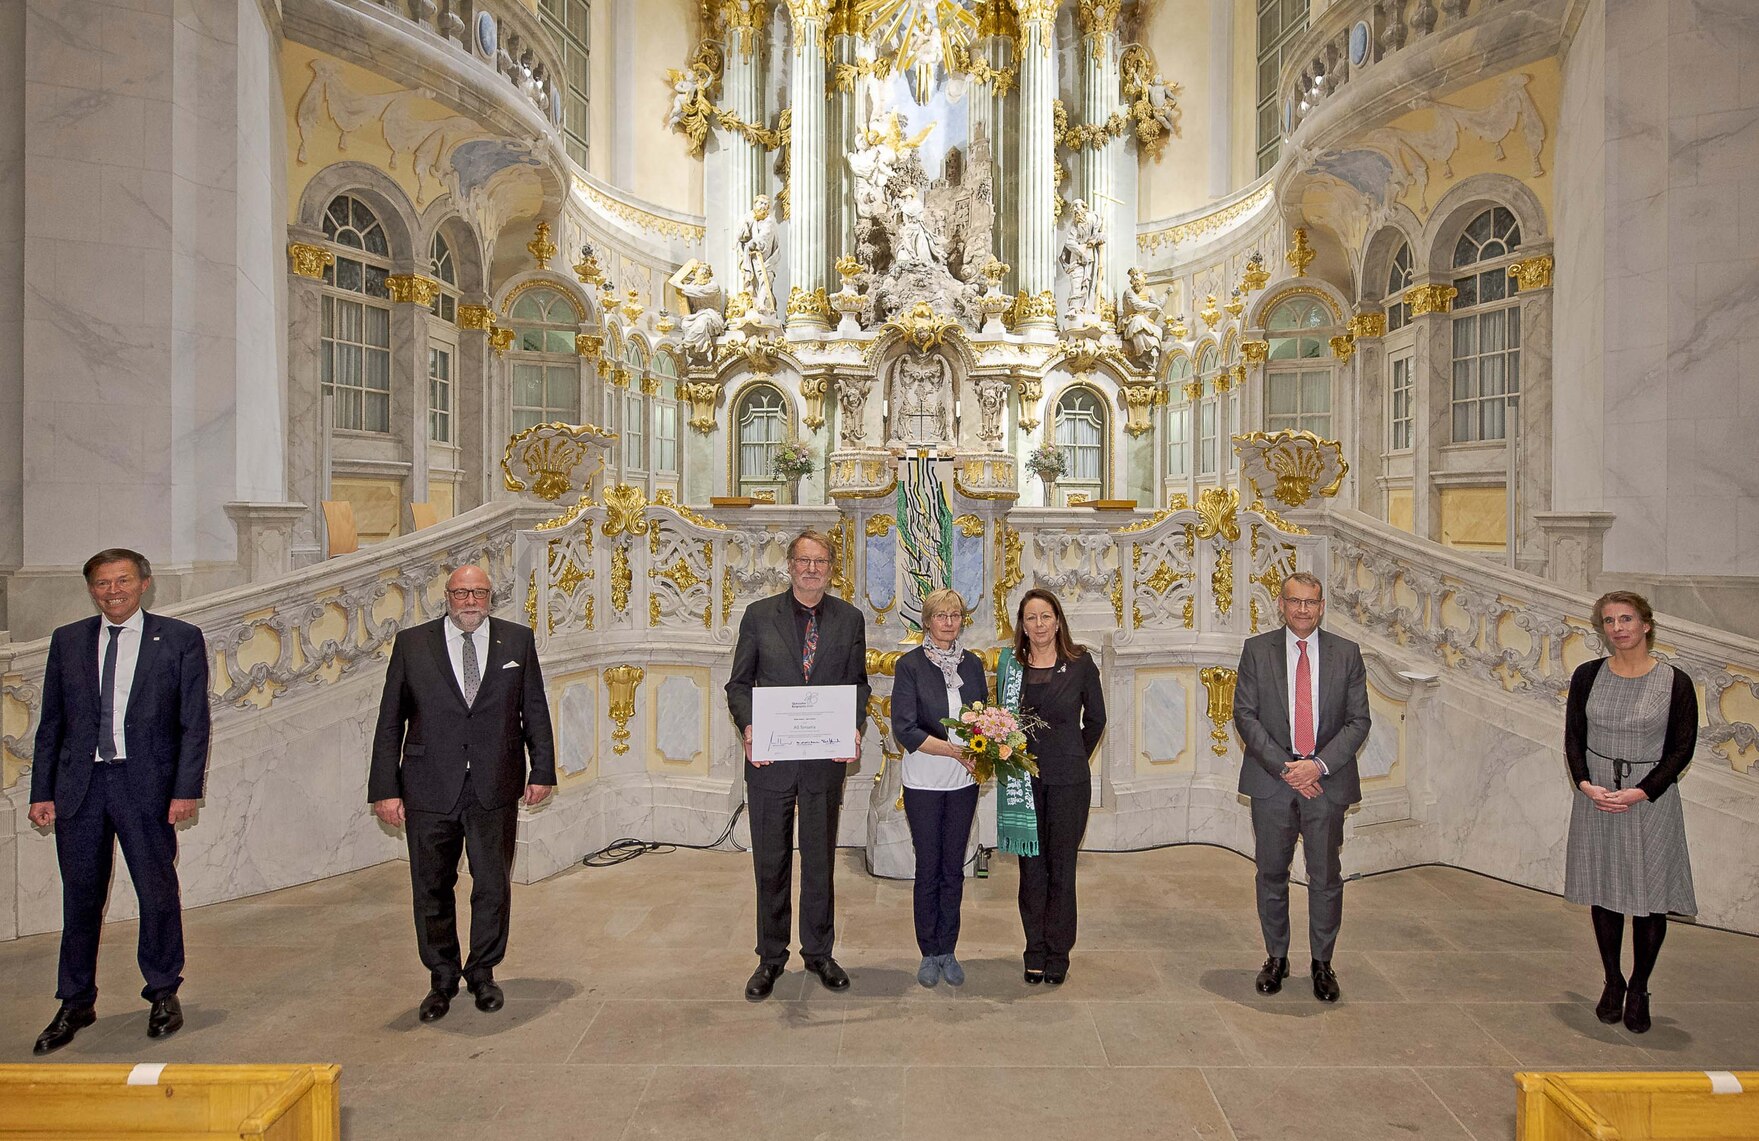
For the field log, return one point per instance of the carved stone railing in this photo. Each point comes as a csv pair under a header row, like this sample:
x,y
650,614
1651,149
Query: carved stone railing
x,y
305,630
1523,635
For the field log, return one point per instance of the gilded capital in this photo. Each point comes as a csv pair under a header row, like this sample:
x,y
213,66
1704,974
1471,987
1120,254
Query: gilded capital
x,y
309,261
1255,351
1532,273
479,317
1368,325
1343,347
412,288
1098,18
500,339
589,345
1426,299
1040,12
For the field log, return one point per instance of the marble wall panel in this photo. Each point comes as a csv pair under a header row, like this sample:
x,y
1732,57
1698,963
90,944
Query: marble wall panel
x,y
1164,720
680,735
577,720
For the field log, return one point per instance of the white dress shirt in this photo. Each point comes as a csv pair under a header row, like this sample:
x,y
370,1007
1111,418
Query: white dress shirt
x,y
1293,643
455,650
127,654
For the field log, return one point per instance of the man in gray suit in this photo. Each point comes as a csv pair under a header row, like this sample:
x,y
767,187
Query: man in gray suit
x,y
1301,706
803,636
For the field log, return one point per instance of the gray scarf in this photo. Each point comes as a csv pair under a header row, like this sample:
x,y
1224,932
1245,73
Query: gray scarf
x,y
948,660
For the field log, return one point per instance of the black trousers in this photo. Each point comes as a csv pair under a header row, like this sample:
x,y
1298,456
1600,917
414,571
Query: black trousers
x,y
436,840
1047,880
940,828
772,813
85,847
1276,822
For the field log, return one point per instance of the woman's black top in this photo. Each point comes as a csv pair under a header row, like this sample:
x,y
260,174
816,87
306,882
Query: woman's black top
x,y
1682,728
919,696
1068,697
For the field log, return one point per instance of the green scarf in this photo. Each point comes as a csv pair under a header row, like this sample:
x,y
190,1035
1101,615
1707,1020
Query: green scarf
x,y
1016,818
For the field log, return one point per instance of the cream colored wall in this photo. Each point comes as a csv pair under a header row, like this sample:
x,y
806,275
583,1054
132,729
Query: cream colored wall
x,y
602,103
1244,119
1178,35
665,174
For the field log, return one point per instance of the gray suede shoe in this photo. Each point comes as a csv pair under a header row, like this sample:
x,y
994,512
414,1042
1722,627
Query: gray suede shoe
x,y
952,971
929,973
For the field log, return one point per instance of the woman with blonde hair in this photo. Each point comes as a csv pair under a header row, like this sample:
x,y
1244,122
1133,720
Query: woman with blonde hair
x,y
933,681
1630,726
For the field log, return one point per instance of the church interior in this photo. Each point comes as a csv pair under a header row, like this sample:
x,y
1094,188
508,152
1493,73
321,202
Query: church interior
x,y
1148,303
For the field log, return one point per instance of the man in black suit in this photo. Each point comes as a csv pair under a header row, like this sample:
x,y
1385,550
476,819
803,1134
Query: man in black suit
x,y
464,704
1301,706
802,636
121,751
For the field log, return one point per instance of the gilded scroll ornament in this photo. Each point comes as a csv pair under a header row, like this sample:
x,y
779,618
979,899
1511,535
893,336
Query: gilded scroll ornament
x,y
621,681
622,580
665,498
1294,465
1300,254
1153,99
1008,551
1425,299
1140,400
1343,347
703,395
1221,580
548,456
309,261
813,389
1029,390
977,70
1218,683
1368,325
878,526
969,526
1218,513
922,327
479,317
1532,273
626,511
500,339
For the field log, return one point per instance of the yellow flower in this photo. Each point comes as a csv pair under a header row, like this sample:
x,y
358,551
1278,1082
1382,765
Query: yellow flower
x,y
977,743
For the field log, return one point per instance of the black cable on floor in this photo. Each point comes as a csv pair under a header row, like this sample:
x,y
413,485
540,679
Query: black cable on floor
x,y
626,849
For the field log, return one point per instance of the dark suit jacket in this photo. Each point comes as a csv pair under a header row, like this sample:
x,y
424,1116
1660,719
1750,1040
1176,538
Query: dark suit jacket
x,y
768,653
1072,704
426,735
1261,714
919,696
166,723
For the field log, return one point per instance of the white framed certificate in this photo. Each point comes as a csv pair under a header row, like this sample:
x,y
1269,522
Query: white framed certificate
x,y
803,722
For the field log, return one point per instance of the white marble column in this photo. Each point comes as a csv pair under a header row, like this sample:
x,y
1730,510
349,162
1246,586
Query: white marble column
x,y
842,125
742,161
989,110
1096,172
806,160
1035,272
12,241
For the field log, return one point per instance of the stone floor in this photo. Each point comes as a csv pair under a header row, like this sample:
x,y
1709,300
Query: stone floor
x,y
625,1018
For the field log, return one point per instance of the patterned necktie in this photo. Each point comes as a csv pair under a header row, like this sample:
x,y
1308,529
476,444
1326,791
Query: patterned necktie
x,y
472,672
107,700
1303,700
809,645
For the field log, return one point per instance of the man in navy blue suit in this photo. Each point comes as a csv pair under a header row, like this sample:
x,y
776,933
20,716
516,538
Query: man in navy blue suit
x,y
121,752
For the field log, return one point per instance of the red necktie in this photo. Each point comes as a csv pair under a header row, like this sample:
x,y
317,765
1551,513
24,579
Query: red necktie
x,y
1303,700
809,645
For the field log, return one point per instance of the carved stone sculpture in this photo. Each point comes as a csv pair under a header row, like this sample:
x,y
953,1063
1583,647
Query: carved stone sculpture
x,y
1139,321
1079,261
852,392
758,247
992,400
703,299
922,388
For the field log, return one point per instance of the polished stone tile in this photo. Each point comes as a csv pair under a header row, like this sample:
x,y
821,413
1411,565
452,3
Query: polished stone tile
x,y
1701,1035
705,1033
1317,1104
1009,1104
1489,976
981,1032
763,1103
1369,1034
1557,1036
1165,1034
1482,1100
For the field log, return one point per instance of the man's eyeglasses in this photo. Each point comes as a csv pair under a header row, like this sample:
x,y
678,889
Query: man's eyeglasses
x,y
812,564
1303,603
465,594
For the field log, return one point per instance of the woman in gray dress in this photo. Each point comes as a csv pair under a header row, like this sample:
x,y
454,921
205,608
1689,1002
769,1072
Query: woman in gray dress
x,y
1630,726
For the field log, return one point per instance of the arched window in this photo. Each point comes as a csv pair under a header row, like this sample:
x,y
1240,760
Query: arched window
x,y
354,357
1209,365
1398,279
1178,417
635,412
546,374
445,304
762,417
1486,328
1297,381
665,449
1081,434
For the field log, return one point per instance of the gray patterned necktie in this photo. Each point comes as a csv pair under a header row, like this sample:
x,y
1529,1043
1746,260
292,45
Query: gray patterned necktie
x,y
472,672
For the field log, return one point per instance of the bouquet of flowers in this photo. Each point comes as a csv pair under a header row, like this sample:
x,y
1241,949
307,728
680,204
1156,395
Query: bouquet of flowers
x,y
994,739
792,460
1047,461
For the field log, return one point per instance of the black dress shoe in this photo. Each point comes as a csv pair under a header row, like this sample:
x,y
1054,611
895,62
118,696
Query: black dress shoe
x,y
1271,975
1034,977
1637,1011
1611,1007
830,974
166,1017
762,981
67,1022
488,996
1056,977
436,1004
1325,982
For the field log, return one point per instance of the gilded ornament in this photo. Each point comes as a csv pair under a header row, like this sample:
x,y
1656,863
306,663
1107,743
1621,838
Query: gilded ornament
x,y
620,377
1425,299
540,247
1221,580
744,22
1275,520
1178,328
589,345
500,339
668,500
1343,347
814,304
1256,276
650,386
679,574
621,682
664,323
813,389
1140,400
1008,550
922,327
310,261
640,219
1532,273
849,269
1157,518
1030,390
1192,389
845,75
703,395
1189,613
726,595
571,577
978,70
1224,380
653,609
1218,684
1236,304
479,317
1300,254
1255,351
626,506
1209,223
1368,325
621,579
412,288
1296,464
1117,593
632,306
1209,312
1218,513
587,269
969,526
878,526
1153,99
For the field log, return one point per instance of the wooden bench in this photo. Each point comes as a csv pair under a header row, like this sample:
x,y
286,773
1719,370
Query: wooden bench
x,y
1679,1106
89,1103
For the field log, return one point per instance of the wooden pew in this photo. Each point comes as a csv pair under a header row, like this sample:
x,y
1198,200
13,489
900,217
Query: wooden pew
x,y
89,1103
1679,1106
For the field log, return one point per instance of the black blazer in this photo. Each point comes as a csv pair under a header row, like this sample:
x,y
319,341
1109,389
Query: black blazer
x,y
1073,707
919,696
166,723
768,653
426,735
1261,714
1676,752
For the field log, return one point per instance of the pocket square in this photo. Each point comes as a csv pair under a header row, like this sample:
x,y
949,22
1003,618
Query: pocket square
x,y
509,665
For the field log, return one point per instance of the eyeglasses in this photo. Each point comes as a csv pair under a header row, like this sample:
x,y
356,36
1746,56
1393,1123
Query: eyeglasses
x,y
812,564
465,594
1303,603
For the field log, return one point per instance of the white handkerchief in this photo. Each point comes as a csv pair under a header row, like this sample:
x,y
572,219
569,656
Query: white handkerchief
x,y
509,665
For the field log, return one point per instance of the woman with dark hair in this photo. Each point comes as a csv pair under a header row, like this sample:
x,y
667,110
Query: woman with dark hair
x,y
1630,726
933,681
1061,687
